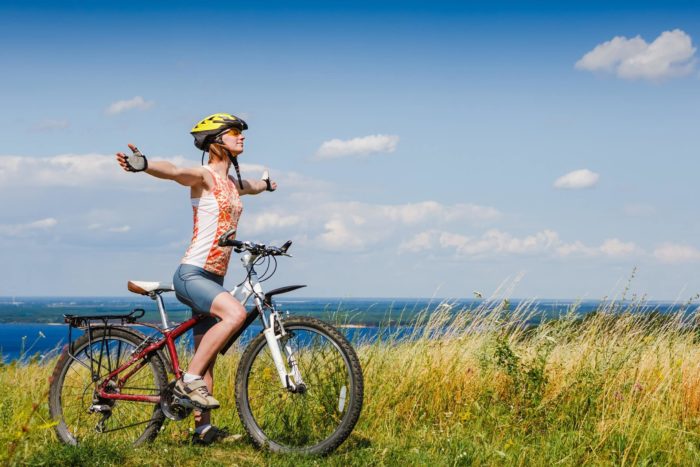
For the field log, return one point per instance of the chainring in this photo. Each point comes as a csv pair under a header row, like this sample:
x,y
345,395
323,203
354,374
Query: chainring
x,y
170,407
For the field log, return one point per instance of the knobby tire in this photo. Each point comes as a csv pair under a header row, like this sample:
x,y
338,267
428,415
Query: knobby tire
x,y
315,422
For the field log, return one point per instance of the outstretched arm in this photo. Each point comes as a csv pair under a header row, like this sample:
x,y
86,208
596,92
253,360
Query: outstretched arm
x,y
162,169
253,187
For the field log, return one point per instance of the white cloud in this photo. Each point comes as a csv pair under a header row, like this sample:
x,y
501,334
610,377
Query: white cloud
x,y
100,226
73,170
137,102
301,186
608,55
616,247
13,230
362,146
257,169
414,213
339,236
49,125
419,242
577,180
101,170
611,248
356,226
270,221
363,224
676,253
575,249
495,242
669,55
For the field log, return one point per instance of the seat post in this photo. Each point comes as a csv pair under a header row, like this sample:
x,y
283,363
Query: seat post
x,y
161,309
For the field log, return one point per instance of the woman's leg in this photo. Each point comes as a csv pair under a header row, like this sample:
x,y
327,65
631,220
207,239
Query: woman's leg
x,y
204,417
232,315
195,287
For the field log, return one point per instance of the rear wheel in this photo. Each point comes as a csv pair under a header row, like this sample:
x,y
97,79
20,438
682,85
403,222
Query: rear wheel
x,y
73,400
315,420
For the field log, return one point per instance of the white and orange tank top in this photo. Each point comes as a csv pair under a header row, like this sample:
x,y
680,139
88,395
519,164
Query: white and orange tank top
x,y
214,214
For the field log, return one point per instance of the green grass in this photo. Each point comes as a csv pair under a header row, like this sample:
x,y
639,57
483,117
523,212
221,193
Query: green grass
x,y
471,388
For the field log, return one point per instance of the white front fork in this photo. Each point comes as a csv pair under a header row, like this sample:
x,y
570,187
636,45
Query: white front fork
x,y
242,293
288,380
275,352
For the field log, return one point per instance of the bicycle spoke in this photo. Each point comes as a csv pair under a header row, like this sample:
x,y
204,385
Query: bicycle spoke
x,y
126,426
122,420
119,354
300,419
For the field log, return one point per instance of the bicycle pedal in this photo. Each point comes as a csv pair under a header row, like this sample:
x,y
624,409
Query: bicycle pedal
x,y
189,404
186,403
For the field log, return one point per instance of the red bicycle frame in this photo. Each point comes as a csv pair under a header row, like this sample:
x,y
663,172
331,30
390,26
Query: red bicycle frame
x,y
168,341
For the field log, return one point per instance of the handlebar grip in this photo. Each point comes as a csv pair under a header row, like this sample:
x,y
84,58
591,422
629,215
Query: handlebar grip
x,y
224,240
233,243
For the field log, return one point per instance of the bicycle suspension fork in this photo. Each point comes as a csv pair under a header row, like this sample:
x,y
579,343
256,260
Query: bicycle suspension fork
x,y
251,287
290,380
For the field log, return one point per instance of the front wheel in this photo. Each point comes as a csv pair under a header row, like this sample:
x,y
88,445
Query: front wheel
x,y
313,421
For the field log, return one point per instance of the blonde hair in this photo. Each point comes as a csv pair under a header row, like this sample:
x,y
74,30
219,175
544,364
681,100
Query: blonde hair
x,y
217,152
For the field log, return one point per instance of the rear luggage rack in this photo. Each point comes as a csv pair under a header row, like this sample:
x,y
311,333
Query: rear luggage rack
x,y
87,321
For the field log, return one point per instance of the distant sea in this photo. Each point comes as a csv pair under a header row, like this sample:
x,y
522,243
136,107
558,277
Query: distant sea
x,y
32,326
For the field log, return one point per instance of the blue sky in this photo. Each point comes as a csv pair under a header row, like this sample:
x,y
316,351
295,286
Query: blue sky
x,y
421,149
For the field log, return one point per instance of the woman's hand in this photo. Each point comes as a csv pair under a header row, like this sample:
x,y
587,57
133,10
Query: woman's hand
x,y
136,162
269,184
121,159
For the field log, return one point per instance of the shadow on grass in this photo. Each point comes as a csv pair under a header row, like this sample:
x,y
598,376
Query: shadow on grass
x,y
353,443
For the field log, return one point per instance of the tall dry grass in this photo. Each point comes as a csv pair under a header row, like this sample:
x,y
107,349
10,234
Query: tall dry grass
x,y
477,386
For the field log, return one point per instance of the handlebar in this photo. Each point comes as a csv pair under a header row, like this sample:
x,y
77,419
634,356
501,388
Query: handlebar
x,y
254,248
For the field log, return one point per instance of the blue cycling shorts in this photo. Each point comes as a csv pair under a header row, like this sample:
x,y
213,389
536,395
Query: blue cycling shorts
x,y
197,288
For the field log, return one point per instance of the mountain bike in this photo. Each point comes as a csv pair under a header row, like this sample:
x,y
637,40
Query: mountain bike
x,y
298,386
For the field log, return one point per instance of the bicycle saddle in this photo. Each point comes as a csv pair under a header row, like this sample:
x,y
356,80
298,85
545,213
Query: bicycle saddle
x,y
146,288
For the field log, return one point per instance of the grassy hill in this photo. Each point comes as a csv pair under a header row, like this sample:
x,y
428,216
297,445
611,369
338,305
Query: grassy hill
x,y
613,388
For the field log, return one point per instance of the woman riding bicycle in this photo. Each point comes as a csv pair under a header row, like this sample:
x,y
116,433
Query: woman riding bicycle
x,y
198,281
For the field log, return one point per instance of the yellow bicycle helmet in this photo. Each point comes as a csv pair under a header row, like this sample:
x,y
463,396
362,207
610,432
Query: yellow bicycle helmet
x,y
206,131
